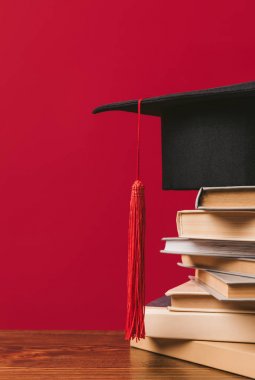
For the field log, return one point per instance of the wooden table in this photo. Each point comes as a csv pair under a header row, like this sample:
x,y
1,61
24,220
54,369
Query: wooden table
x,y
89,355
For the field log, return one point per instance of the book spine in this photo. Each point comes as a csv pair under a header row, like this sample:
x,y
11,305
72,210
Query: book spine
x,y
179,222
198,198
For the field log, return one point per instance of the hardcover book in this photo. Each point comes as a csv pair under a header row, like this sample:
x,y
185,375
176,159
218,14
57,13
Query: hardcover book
x,y
228,286
236,358
244,267
160,322
226,198
222,225
209,247
190,296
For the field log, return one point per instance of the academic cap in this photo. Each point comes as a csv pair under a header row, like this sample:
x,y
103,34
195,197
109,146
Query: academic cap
x,y
208,136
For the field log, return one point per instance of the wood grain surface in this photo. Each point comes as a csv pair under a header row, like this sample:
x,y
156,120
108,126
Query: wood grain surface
x,y
89,355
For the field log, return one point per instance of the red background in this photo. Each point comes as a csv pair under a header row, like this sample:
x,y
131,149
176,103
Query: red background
x,y
65,175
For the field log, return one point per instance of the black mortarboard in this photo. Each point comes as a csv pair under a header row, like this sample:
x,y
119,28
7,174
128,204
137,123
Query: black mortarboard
x,y
208,136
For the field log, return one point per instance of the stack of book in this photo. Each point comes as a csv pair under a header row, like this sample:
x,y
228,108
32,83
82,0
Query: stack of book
x,y
210,319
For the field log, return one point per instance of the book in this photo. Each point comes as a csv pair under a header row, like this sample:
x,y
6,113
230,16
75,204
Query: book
x,y
160,322
226,198
190,296
209,247
236,358
238,266
225,225
227,285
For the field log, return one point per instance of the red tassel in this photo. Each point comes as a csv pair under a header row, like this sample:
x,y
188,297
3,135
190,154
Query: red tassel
x,y
135,281
136,237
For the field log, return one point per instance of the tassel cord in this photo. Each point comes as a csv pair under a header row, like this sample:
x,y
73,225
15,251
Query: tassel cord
x,y
138,140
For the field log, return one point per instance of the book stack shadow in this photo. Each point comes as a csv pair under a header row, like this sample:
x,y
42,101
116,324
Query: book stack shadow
x,y
210,319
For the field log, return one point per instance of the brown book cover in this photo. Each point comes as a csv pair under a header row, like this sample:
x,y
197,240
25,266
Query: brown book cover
x,y
237,358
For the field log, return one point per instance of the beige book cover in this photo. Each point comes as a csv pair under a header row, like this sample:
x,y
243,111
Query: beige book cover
x,y
226,198
190,296
225,327
229,225
220,264
238,358
228,285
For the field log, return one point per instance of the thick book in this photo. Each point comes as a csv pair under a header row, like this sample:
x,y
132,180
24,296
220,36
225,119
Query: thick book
x,y
227,286
160,322
225,225
226,198
244,267
237,358
209,247
190,296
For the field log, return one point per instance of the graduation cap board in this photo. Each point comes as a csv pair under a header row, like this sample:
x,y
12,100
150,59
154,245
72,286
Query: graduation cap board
x,y
208,136
208,140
